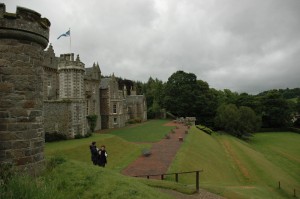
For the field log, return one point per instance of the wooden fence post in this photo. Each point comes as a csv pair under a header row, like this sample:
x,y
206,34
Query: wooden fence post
x,y
279,184
162,177
295,193
176,177
197,181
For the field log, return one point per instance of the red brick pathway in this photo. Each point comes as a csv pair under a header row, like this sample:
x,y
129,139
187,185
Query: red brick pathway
x,y
162,154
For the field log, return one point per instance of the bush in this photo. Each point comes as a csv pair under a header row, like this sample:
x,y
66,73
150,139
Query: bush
x,y
7,171
92,120
78,136
167,136
88,135
205,129
134,121
55,136
297,123
54,161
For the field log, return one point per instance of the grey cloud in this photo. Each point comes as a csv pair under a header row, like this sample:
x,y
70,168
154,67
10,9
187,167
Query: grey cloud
x,y
246,46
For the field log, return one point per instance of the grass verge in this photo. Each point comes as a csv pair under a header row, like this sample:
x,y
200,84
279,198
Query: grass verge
x,y
150,131
238,169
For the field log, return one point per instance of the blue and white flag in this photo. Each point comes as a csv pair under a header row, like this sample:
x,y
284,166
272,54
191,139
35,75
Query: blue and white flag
x,y
67,34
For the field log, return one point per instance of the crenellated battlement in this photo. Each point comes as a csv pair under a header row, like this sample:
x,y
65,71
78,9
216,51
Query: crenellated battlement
x,y
66,61
25,24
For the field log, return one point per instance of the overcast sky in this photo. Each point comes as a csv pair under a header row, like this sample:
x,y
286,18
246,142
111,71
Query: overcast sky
x,y
243,45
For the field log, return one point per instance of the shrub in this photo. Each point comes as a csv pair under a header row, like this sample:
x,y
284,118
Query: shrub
x,y
134,121
55,136
167,136
88,135
54,161
205,129
78,136
92,120
7,171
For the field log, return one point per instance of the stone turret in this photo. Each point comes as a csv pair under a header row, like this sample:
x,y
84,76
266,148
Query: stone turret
x,y
71,77
23,37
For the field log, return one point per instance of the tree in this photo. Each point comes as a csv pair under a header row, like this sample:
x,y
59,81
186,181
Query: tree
x,y
206,104
276,110
181,94
154,92
248,121
240,122
227,118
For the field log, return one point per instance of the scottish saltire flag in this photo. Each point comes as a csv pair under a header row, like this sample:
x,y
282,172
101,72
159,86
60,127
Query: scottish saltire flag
x,y
67,34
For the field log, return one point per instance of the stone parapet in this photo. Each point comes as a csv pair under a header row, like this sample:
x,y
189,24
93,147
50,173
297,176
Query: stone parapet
x,y
25,24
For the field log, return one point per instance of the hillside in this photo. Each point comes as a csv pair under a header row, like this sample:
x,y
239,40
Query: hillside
x,y
238,169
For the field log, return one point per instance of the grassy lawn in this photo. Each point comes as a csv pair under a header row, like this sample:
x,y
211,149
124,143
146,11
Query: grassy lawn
x,y
151,131
120,152
238,169
74,179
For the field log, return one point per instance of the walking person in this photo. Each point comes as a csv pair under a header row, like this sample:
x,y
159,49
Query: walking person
x,y
102,156
94,153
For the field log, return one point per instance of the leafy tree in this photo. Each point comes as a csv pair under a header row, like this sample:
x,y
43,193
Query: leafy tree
x,y
298,105
181,94
240,122
206,104
244,99
230,97
154,91
276,110
248,121
227,118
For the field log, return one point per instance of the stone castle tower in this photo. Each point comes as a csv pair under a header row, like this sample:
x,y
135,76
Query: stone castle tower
x,y
71,77
23,37
66,113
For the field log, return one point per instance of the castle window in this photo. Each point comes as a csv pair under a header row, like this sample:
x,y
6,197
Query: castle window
x,y
115,120
87,107
115,108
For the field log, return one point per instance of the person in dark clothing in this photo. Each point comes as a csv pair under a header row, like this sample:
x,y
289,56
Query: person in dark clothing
x,y
94,153
102,156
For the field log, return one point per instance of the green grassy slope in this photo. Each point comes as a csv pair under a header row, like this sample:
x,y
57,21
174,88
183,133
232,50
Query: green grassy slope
x,y
150,131
120,152
74,179
237,169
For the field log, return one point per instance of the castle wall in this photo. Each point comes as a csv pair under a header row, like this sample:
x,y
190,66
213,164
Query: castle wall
x,y
137,108
50,84
23,36
93,100
58,117
112,104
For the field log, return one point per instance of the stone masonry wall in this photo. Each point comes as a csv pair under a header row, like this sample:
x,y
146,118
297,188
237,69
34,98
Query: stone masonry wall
x,y
23,36
57,117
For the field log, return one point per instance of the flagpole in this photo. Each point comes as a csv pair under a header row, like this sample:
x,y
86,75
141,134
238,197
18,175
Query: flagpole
x,y
70,40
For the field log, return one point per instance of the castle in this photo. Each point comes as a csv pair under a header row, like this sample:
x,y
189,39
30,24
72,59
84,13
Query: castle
x,y
71,92
44,93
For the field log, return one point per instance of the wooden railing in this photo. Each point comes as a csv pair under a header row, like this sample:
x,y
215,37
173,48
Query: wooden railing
x,y
177,176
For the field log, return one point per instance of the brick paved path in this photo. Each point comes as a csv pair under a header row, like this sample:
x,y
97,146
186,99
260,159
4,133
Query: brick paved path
x,y
162,155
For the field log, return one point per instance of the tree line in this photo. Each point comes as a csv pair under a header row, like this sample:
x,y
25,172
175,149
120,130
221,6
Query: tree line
x,y
183,95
